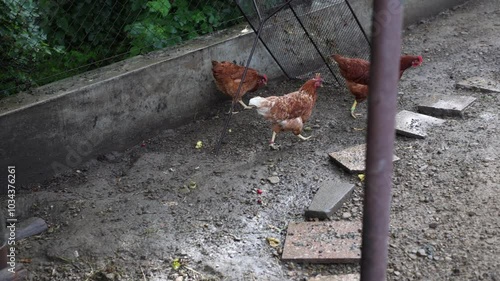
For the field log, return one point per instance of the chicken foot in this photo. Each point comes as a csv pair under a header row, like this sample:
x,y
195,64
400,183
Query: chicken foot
x,y
277,146
244,107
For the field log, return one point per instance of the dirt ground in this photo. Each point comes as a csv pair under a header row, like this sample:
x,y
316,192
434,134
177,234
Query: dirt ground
x,y
127,216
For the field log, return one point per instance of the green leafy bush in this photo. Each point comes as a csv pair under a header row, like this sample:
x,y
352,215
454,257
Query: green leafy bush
x,y
47,40
22,44
167,23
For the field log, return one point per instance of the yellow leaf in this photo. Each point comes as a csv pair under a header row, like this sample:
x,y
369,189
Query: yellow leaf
x,y
361,177
199,145
192,184
176,264
273,242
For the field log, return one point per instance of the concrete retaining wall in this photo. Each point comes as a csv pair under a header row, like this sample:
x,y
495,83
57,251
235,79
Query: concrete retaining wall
x,y
64,124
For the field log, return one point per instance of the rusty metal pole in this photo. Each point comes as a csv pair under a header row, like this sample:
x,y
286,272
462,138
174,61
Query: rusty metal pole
x,y
386,51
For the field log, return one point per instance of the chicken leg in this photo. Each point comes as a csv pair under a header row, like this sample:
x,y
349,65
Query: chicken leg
x,y
353,108
244,105
276,146
272,144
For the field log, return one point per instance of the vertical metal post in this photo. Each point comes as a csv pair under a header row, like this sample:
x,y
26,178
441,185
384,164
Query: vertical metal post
x,y
386,51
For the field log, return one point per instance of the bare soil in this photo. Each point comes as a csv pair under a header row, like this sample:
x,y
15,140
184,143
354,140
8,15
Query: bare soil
x,y
130,215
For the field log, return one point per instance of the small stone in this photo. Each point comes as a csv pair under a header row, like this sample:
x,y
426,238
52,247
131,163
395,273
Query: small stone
x,y
433,225
180,278
412,256
397,273
421,253
346,215
273,179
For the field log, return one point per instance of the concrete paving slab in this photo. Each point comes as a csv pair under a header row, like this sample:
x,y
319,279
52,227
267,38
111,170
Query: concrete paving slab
x,y
328,199
415,125
343,277
323,242
441,105
481,84
353,158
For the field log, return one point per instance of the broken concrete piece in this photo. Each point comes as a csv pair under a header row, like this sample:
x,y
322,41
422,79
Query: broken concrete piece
x,y
441,105
481,84
415,125
353,158
343,277
323,242
328,199
30,227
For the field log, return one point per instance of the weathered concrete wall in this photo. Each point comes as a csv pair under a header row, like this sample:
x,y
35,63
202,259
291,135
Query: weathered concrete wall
x,y
64,124
118,106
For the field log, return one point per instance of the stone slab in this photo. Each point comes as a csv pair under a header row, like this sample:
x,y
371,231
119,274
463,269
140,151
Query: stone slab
x,y
353,158
480,84
415,125
328,199
323,242
441,105
343,277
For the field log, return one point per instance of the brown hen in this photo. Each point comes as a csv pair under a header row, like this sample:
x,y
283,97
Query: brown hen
x,y
227,76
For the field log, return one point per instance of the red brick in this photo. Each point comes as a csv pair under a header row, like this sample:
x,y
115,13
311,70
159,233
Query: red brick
x,y
323,242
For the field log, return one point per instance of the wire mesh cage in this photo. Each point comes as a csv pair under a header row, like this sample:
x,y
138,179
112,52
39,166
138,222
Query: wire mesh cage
x,y
304,33
47,40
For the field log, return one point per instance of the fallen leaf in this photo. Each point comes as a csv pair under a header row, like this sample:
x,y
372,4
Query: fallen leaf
x,y
273,242
361,177
199,145
176,264
192,184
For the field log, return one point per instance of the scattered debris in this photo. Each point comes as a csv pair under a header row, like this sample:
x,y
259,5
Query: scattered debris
x,y
441,105
481,84
199,145
328,199
353,158
274,179
415,125
273,242
323,242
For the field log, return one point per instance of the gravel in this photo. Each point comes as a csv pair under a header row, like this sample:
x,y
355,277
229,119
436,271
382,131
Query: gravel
x,y
137,215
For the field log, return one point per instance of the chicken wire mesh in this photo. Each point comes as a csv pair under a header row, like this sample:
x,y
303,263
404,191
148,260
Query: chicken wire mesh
x,y
47,40
304,33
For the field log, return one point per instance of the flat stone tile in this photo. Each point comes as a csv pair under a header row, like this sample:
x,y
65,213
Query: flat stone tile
x,y
323,242
343,277
415,125
481,84
353,158
441,105
328,199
